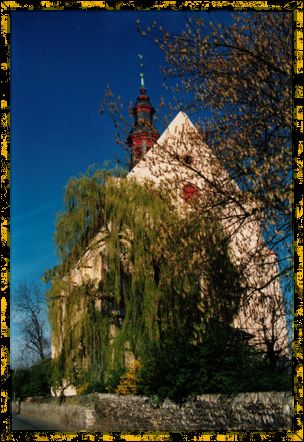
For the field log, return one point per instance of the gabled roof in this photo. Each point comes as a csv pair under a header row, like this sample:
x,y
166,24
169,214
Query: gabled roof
x,y
174,141
177,124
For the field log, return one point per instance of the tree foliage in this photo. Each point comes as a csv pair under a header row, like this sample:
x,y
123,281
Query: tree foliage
x,y
82,215
154,267
241,73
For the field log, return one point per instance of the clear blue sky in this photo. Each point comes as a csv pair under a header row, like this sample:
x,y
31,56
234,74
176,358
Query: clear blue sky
x,y
61,64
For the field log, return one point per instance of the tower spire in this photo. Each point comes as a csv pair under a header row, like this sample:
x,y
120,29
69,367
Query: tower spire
x,y
143,135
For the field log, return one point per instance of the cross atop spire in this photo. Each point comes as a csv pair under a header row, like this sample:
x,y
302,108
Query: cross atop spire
x,y
141,74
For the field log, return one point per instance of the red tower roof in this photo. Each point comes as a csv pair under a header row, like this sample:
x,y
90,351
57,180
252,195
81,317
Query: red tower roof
x,y
143,135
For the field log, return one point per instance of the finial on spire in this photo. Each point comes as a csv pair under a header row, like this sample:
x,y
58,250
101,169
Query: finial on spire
x,y
141,74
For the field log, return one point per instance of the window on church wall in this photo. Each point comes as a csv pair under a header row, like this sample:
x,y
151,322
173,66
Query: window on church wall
x,y
189,193
187,159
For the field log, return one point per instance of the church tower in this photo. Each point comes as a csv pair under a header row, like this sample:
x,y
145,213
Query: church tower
x,y
143,135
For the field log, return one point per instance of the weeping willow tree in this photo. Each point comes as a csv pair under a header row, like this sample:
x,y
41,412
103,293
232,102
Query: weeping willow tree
x,y
154,266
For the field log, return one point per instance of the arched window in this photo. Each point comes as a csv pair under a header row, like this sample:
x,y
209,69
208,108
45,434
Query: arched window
x,y
144,146
189,192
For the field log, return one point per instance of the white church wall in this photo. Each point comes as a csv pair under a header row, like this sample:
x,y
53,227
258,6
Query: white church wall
x,y
262,313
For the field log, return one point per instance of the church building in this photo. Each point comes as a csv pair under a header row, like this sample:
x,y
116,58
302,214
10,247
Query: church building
x,y
180,159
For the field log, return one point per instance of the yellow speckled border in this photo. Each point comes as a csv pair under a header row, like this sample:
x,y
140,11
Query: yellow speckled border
x,y
296,434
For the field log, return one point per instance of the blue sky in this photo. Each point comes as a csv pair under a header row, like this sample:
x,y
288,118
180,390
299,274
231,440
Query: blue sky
x,y
61,63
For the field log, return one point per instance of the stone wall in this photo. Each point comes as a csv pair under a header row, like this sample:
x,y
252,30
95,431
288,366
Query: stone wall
x,y
109,412
70,412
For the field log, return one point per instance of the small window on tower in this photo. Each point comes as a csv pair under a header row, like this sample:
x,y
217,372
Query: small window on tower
x,y
189,192
144,147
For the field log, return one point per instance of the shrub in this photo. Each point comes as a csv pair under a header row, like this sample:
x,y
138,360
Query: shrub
x,y
171,368
128,381
33,381
222,362
114,379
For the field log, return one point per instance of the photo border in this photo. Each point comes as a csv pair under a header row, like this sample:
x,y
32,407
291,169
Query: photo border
x,y
296,433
